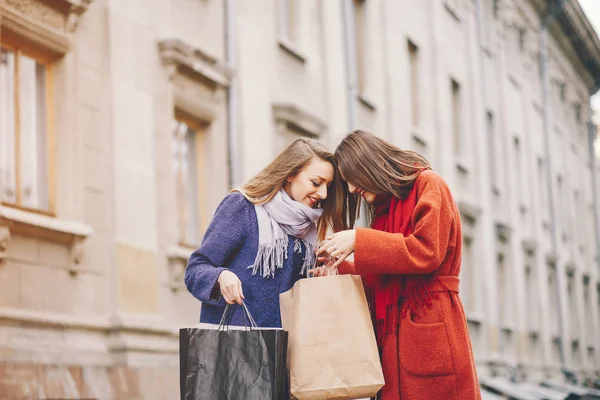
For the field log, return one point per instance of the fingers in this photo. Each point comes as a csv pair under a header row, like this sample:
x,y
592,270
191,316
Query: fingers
x,y
323,247
319,271
240,294
336,254
340,260
232,295
332,236
232,291
241,291
235,292
327,247
227,296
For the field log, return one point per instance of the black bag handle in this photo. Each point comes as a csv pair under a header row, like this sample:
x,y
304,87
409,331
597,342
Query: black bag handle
x,y
247,318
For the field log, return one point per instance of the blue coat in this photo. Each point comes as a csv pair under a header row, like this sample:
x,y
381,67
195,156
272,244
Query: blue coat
x,y
231,242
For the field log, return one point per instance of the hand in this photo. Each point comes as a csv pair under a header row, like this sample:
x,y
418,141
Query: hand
x,y
231,287
338,246
324,270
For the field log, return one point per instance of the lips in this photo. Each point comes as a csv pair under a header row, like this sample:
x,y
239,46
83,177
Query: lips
x,y
313,201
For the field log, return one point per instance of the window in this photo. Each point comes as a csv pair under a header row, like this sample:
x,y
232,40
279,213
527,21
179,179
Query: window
x,y
519,175
556,350
559,212
553,296
587,303
533,307
468,279
522,37
456,117
489,124
413,59
571,289
578,113
504,292
543,190
496,8
289,20
25,129
533,348
360,38
576,351
521,180
562,91
292,122
508,345
575,233
598,298
189,176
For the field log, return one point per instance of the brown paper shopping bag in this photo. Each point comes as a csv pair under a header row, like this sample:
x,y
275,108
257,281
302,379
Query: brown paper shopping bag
x,y
332,348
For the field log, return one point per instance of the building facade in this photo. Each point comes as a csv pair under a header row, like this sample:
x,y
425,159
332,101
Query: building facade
x,y
123,123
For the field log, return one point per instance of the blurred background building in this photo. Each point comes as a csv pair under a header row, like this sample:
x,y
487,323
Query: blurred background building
x,y
123,123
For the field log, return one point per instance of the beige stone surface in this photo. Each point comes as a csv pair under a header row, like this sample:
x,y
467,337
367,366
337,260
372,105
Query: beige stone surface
x,y
9,284
138,280
23,248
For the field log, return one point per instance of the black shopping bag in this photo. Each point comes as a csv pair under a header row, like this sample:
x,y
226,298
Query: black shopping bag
x,y
233,364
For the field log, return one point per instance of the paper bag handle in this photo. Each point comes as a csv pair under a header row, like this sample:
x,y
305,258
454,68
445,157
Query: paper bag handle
x,y
329,272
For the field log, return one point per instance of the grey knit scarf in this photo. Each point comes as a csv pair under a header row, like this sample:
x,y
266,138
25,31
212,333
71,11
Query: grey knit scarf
x,y
280,217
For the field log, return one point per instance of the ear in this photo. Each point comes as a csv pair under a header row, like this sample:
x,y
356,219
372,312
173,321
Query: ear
x,y
289,178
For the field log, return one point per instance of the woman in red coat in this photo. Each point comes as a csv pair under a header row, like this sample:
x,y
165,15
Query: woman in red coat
x,y
410,262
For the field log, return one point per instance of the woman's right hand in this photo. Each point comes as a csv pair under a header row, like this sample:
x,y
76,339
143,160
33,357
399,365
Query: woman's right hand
x,y
325,269
231,287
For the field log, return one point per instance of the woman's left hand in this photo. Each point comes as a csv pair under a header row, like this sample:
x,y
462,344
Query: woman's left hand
x,y
338,246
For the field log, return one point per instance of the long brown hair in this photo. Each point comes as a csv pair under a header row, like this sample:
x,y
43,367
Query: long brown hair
x,y
263,186
379,167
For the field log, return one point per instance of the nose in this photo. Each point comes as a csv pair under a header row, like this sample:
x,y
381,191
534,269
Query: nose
x,y
351,188
322,192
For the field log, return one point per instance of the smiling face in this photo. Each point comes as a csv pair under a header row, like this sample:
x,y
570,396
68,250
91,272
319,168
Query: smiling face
x,y
368,196
310,185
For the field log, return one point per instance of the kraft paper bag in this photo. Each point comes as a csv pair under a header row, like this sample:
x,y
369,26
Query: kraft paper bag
x,y
332,352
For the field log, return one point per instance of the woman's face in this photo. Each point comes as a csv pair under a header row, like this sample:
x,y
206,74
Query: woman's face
x,y
368,196
310,185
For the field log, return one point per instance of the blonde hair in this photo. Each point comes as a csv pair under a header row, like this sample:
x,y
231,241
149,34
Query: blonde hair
x,y
263,186
377,166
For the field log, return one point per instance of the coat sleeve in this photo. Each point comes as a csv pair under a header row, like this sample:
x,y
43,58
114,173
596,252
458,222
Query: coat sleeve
x,y
222,241
347,268
421,252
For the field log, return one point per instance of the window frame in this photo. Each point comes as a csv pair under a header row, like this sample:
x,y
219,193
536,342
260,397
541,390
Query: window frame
x,y
23,47
360,28
288,21
457,117
199,128
414,56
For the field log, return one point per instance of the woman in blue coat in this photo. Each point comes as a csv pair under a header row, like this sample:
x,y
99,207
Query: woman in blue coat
x,y
263,236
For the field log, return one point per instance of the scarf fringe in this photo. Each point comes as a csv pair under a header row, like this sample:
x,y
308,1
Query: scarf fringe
x,y
271,257
310,258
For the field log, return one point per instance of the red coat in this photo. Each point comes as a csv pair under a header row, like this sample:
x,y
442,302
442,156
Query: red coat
x,y
430,357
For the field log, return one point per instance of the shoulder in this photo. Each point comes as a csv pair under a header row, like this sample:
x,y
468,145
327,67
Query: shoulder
x,y
431,181
235,203
431,186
